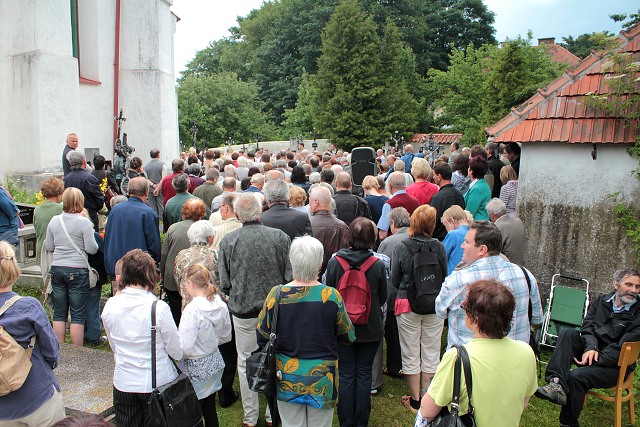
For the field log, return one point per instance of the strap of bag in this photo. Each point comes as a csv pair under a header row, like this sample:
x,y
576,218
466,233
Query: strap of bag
x,y
466,364
526,276
455,399
153,345
6,306
64,228
274,321
363,267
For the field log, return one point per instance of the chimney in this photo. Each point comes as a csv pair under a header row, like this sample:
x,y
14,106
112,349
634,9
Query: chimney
x,y
547,40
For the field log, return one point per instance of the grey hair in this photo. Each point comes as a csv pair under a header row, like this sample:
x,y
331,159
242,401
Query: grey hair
x,y
314,177
243,161
396,180
306,255
76,158
399,166
400,217
277,191
230,171
181,182
200,232
496,207
194,169
117,199
619,275
323,184
273,174
257,177
138,187
247,207
228,199
213,174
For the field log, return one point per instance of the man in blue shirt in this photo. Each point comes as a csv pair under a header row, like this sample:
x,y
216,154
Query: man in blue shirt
x,y
408,157
611,320
131,225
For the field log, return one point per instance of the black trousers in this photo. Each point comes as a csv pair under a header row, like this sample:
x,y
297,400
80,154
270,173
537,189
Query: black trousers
x,y
175,304
394,356
230,356
131,408
578,381
208,405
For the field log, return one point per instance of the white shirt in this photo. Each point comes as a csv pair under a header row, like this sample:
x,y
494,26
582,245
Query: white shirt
x,y
127,322
203,326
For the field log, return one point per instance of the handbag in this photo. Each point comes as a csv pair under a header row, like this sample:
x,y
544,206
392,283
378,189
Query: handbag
x,y
261,364
93,273
174,404
452,418
108,192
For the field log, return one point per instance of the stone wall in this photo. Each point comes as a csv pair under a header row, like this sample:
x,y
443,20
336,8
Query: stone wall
x,y
570,224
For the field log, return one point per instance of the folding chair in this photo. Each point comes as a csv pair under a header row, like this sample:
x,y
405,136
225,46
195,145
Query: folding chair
x,y
628,356
566,308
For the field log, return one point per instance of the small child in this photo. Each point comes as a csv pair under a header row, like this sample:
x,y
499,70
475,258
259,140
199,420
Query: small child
x,y
205,324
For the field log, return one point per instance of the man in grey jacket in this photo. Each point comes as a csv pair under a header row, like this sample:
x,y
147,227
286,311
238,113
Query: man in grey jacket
x,y
253,259
512,230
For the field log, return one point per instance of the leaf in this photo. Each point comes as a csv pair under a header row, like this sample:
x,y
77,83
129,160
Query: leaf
x,y
291,366
271,302
326,294
278,364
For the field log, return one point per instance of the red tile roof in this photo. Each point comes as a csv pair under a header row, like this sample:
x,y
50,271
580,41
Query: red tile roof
x,y
560,54
439,138
558,112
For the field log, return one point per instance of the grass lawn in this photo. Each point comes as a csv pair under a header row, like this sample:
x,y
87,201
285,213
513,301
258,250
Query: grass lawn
x,y
388,411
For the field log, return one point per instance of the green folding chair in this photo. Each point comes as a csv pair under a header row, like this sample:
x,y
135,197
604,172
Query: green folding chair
x,y
566,308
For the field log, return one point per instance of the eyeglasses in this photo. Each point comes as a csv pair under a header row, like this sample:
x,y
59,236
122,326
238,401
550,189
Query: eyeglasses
x,y
464,307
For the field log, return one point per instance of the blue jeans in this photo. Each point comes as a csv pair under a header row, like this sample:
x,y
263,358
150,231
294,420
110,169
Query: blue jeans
x,y
70,290
354,389
92,325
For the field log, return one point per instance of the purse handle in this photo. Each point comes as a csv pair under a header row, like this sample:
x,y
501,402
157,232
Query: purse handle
x,y
82,254
274,321
153,344
463,358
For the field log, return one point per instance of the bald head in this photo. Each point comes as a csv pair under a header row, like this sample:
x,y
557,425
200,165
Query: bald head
x,y
343,181
320,199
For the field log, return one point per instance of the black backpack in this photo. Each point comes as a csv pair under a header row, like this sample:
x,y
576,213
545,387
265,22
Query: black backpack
x,y
427,278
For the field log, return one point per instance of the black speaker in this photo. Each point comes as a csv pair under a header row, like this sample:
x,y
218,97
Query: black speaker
x,y
363,163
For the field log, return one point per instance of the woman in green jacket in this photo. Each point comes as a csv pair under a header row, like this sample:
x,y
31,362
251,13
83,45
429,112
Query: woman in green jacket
x,y
479,192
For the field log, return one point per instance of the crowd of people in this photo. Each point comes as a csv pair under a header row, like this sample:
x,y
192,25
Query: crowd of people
x,y
419,243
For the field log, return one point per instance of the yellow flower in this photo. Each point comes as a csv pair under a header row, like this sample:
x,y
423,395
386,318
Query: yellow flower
x,y
103,184
39,198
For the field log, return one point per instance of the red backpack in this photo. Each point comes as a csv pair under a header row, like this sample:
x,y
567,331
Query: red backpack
x,y
354,289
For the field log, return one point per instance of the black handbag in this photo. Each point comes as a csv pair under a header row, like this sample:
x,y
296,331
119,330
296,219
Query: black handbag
x,y
174,404
261,364
451,418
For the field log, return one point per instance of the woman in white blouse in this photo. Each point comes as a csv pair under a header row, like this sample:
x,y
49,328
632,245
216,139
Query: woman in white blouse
x,y
205,324
127,322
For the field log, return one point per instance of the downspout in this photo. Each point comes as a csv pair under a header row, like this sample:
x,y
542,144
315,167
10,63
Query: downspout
x,y
116,75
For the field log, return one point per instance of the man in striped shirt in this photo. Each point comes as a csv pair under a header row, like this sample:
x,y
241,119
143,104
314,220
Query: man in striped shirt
x,y
229,220
482,246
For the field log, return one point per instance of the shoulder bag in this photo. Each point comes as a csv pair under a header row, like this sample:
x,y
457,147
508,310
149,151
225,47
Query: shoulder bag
x,y
452,418
261,364
174,404
108,192
16,360
93,273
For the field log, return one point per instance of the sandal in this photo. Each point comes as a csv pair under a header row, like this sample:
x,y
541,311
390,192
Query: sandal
x,y
406,401
399,374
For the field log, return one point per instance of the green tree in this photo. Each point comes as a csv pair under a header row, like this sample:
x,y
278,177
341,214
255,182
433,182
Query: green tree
x,y
517,71
582,45
631,19
462,90
298,120
347,91
222,106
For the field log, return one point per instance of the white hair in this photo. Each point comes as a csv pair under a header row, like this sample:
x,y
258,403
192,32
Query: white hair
x,y
306,255
200,232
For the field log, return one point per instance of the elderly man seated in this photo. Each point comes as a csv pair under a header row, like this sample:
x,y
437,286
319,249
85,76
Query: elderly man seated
x,y
611,320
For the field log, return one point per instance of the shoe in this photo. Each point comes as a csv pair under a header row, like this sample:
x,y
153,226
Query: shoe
x,y
406,401
233,400
393,374
552,392
248,425
375,391
96,343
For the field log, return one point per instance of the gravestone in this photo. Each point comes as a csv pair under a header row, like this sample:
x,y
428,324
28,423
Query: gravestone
x,y
86,378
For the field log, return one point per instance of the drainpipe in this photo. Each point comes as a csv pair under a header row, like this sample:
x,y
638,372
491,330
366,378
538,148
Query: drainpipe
x,y
116,75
